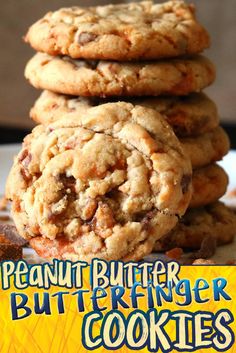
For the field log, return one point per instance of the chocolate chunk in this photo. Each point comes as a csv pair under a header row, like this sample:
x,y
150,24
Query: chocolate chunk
x,y
86,37
68,181
10,243
186,180
10,235
208,248
10,252
93,64
146,220
25,158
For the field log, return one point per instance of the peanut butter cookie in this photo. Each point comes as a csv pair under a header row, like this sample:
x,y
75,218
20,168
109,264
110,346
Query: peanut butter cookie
x,y
120,32
98,187
190,115
215,220
108,78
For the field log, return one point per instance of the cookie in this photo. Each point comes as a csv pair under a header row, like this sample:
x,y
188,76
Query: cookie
x,y
215,220
188,115
209,184
202,150
98,187
207,148
108,78
120,32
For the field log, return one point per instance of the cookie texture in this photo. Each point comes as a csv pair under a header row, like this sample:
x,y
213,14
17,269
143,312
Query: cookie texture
x,y
190,115
99,187
108,78
209,184
207,148
216,221
120,32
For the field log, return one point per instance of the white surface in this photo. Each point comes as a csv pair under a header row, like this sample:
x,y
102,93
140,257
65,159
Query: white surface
x,y
229,164
224,253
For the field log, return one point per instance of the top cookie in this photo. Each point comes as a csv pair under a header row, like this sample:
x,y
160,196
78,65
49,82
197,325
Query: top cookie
x,y
120,32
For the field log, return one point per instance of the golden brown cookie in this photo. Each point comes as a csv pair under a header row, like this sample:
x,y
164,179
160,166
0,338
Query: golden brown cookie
x,y
215,220
141,30
209,184
98,187
190,115
207,148
108,78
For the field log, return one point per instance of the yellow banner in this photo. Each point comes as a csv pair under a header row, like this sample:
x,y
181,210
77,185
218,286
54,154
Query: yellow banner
x,y
68,307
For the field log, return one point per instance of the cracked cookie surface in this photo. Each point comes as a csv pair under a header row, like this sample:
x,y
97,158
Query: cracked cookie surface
x,y
120,32
107,184
190,115
108,78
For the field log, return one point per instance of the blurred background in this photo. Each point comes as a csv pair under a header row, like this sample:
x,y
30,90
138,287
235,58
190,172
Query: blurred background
x,y
17,96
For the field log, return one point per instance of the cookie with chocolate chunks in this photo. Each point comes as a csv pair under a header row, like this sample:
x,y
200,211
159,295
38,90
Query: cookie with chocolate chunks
x,y
215,221
141,30
190,115
98,186
61,74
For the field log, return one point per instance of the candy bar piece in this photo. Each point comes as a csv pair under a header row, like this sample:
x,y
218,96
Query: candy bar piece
x,y
11,243
10,234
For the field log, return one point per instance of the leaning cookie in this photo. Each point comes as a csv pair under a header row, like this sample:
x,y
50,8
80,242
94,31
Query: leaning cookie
x,y
120,32
209,185
207,148
190,115
107,184
108,78
215,220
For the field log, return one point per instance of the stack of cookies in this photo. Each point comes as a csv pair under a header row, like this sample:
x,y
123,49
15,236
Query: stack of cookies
x,y
123,161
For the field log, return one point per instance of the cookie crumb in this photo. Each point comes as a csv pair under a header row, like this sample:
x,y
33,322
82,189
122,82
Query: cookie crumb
x,y
174,253
207,249
231,262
